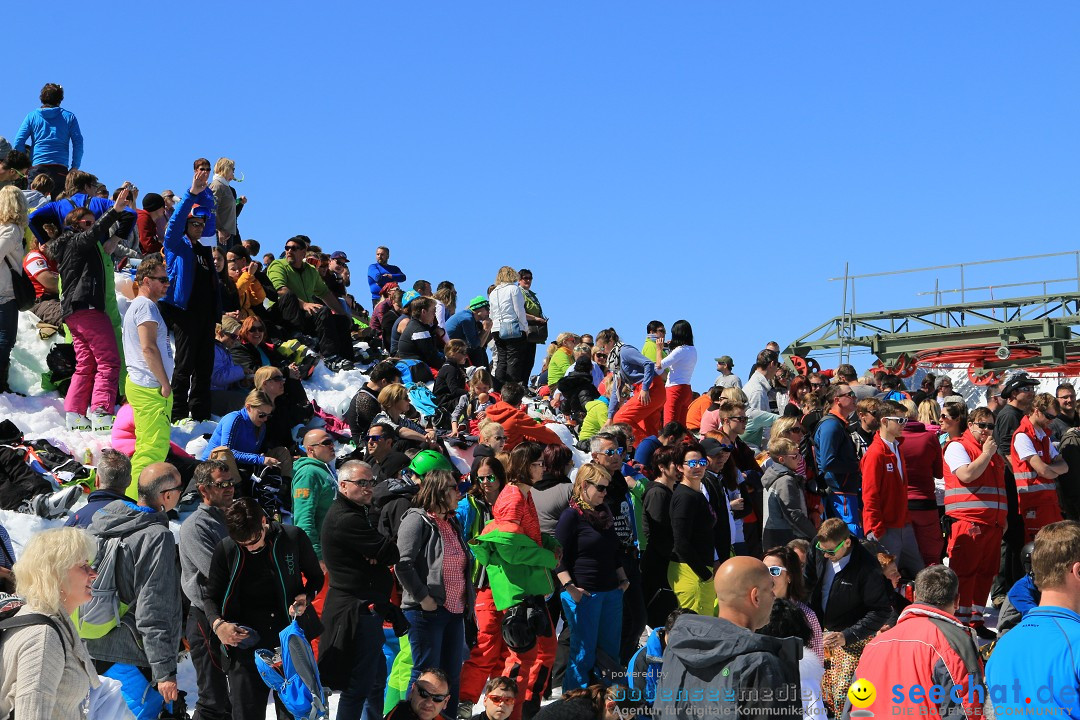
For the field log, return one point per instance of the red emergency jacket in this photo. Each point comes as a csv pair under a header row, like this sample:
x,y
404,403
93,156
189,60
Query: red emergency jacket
x,y
982,500
927,647
1031,489
520,427
884,492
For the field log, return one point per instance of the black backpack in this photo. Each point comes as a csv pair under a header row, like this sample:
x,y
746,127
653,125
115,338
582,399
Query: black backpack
x,y
61,362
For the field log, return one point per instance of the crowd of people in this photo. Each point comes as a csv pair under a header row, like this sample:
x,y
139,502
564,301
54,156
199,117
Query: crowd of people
x,y
618,537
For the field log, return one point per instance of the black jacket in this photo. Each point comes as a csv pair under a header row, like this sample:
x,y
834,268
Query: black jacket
x,y
692,522
358,560
247,356
859,602
719,504
80,262
232,586
417,342
391,499
449,387
577,389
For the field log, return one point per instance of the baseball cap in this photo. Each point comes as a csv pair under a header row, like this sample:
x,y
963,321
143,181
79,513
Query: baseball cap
x,y
340,256
478,303
711,447
726,359
230,324
409,297
1019,381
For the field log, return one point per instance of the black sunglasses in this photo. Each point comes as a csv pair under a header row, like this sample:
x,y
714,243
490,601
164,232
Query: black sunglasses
x,y
433,697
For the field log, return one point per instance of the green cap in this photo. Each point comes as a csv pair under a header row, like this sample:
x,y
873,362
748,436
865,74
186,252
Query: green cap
x,y
428,460
478,303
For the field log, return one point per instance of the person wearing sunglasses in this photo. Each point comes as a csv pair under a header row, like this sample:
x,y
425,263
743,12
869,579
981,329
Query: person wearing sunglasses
x,y
837,461
199,535
884,491
851,597
786,517
148,583
244,432
313,485
364,405
379,452
358,558
592,575
88,311
518,560
1036,465
500,699
693,558
261,577
975,512
634,377
429,696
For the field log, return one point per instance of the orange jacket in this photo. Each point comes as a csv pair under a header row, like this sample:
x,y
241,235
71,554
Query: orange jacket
x,y
520,427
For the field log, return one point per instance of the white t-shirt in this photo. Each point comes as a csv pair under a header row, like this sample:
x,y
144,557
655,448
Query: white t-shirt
x,y
681,362
956,456
1023,448
141,310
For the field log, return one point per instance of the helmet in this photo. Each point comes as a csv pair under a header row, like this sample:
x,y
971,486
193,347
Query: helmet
x,y
517,631
428,460
1025,556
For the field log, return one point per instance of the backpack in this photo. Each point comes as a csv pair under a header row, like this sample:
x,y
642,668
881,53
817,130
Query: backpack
x,y
61,362
423,400
292,673
97,617
11,604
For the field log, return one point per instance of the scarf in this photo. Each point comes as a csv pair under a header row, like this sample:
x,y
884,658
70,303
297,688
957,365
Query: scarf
x,y
599,517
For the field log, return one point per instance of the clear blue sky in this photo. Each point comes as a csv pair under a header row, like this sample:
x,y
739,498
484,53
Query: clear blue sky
x,y
714,161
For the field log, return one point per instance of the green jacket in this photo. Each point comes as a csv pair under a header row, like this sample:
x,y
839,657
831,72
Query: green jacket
x,y
313,490
516,566
560,364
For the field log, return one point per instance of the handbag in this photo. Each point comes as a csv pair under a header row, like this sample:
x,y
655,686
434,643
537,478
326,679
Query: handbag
x,y
537,334
22,288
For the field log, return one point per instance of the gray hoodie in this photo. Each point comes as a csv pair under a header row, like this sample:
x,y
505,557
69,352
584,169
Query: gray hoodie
x,y
200,533
785,505
713,665
148,581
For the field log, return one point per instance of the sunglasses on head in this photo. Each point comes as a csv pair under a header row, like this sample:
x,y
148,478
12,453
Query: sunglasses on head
x,y
433,697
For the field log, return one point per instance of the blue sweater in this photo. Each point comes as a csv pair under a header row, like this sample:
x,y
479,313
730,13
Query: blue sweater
x,y
375,282
239,434
1024,596
836,455
1016,671
635,369
50,130
179,255
54,212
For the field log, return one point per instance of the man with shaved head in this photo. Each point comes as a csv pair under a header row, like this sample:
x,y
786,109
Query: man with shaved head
x,y
721,661
313,485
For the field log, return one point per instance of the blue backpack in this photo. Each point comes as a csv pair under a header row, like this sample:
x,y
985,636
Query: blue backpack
x,y
422,400
297,681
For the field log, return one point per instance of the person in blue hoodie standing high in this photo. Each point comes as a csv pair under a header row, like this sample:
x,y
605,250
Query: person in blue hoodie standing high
x,y
381,272
1019,679
192,305
50,129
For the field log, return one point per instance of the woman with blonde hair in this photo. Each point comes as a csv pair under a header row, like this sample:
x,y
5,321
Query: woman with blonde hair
x,y
394,400
45,669
592,576
509,325
928,413
13,221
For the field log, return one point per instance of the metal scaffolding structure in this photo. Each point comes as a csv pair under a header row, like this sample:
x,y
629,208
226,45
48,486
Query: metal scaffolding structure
x,y
994,334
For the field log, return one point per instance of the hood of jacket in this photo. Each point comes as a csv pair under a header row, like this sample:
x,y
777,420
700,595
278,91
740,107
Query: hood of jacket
x,y
502,412
918,610
391,489
774,472
312,464
550,480
121,518
705,642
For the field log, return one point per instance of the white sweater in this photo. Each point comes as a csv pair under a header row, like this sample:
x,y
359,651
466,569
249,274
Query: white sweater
x,y
507,302
11,248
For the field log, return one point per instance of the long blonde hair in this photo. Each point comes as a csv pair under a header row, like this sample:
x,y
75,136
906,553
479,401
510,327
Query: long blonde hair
x,y
13,207
42,569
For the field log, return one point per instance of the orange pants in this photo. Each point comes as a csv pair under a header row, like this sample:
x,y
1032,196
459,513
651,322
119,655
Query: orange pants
x,y
974,555
644,419
491,658
677,403
1039,515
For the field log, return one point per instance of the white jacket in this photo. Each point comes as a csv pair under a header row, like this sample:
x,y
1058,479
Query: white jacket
x,y
11,249
507,303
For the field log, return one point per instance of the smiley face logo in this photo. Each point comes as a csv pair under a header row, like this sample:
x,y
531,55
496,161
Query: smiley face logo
x,y
862,693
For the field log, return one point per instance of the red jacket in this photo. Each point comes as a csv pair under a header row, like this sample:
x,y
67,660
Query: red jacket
x,y
884,492
927,647
921,455
149,241
520,427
